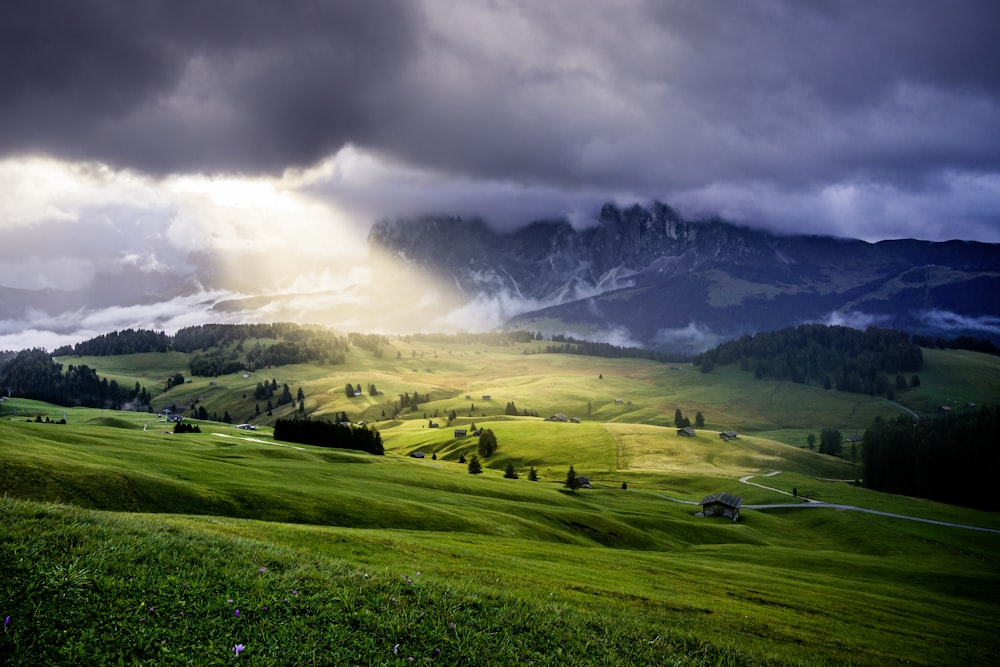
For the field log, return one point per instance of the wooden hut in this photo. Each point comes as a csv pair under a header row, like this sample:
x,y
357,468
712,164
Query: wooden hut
x,y
722,504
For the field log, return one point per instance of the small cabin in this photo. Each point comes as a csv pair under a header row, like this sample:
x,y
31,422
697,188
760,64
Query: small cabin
x,y
460,432
722,504
729,435
687,432
487,397
417,455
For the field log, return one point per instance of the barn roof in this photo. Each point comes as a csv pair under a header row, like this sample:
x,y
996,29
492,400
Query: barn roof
x,y
724,498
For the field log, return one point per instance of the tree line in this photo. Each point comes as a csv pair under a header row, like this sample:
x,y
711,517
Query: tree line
x,y
569,345
326,434
126,341
35,374
874,361
948,458
218,349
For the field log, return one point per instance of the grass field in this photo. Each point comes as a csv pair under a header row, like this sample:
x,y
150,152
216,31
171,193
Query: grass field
x,y
123,543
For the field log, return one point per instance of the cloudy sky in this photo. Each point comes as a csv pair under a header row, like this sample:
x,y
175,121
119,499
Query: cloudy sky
x,y
167,135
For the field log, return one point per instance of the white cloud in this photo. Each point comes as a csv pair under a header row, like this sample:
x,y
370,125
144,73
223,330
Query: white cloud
x,y
948,321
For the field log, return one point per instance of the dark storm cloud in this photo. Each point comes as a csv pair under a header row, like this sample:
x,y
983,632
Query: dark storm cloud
x,y
823,111
672,95
184,85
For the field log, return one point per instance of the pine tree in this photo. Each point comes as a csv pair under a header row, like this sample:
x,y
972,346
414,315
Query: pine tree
x,y
699,420
572,480
509,471
487,443
532,474
475,467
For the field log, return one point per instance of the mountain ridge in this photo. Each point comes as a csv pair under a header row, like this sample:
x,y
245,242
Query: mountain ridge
x,y
646,272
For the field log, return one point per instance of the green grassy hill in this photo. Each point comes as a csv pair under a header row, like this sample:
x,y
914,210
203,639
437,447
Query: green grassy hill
x,y
124,543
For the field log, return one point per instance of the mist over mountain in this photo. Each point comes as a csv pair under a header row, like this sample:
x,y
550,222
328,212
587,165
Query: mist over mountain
x,y
638,276
645,276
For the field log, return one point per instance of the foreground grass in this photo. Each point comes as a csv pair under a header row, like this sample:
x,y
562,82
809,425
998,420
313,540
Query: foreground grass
x,y
85,587
91,588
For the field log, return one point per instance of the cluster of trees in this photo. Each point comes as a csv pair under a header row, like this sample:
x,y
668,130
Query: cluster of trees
x,y
293,344
371,342
949,458
34,374
570,345
830,441
680,421
265,391
175,380
127,341
511,409
408,402
325,434
184,427
838,357
215,362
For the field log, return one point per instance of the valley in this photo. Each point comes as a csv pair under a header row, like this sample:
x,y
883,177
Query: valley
x,y
116,526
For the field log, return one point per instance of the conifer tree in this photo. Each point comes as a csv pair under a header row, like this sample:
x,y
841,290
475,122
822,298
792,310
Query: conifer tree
x,y
572,480
475,467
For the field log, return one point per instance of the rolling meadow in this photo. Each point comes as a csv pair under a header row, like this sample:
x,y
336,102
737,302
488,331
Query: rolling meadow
x,y
124,543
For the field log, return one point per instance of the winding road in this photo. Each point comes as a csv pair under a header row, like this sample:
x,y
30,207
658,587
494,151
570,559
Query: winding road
x,y
809,503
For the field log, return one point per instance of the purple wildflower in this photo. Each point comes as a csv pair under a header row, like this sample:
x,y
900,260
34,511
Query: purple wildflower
x,y
262,570
6,623
237,649
451,625
395,649
237,613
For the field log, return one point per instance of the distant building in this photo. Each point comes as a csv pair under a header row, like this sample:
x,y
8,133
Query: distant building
x,y
729,435
417,455
687,432
722,504
461,432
